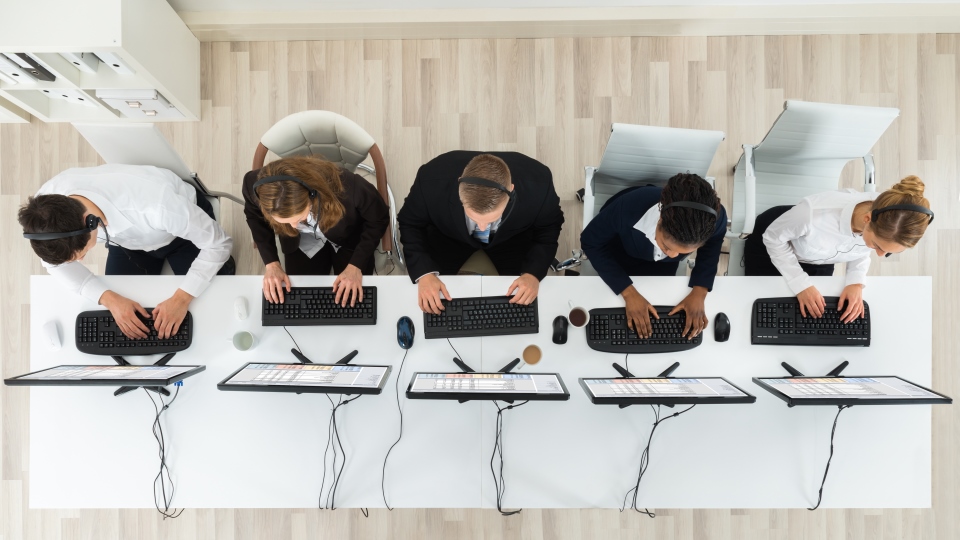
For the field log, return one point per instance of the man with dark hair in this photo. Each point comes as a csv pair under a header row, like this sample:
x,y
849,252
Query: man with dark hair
x,y
647,231
148,215
501,203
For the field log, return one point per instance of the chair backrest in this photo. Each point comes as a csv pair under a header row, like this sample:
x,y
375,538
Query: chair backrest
x,y
326,134
640,155
134,144
805,151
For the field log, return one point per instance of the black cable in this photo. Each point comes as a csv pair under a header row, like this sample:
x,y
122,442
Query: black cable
x,y
161,443
383,473
645,460
294,341
455,350
827,469
626,360
393,265
334,441
499,485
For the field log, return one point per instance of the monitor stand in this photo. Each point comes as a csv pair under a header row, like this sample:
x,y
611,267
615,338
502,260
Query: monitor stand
x,y
835,372
665,373
343,361
467,369
158,389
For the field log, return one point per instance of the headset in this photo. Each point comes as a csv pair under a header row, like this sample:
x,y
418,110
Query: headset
x,y
90,225
483,182
695,206
908,207
269,179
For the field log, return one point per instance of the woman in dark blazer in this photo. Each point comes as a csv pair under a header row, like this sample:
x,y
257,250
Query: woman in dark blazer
x,y
326,217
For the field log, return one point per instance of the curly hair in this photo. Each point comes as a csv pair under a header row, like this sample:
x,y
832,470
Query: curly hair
x,y
688,226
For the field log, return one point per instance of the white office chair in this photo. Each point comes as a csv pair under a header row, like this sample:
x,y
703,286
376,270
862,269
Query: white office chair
x,y
802,154
143,144
641,155
338,139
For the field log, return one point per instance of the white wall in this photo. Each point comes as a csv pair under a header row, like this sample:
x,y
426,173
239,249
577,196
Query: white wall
x,y
320,5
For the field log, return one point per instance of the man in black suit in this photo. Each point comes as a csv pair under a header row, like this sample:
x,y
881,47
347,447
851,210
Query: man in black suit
x,y
462,202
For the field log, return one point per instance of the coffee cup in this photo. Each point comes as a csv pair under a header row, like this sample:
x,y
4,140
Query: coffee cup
x,y
244,341
531,355
578,316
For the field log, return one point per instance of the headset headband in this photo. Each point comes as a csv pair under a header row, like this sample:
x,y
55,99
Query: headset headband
x,y
483,182
695,206
90,224
279,178
908,207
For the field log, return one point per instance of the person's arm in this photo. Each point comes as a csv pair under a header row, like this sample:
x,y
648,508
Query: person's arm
x,y
546,233
793,224
375,215
857,271
184,219
600,239
708,256
413,220
263,235
77,278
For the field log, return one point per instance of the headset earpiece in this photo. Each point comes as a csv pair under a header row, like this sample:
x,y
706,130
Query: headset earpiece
x,y
312,193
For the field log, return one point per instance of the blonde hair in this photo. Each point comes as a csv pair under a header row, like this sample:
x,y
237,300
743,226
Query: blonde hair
x,y
484,199
285,198
901,226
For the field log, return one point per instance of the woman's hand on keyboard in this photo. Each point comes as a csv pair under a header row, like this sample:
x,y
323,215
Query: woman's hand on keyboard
x,y
348,286
638,312
124,311
812,303
693,306
274,279
852,296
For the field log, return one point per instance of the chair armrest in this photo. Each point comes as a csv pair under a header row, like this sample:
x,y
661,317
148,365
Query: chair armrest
x,y
869,174
224,195
588,198
750,192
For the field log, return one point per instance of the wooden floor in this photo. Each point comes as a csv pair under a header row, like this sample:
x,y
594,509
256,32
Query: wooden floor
x,y
553,99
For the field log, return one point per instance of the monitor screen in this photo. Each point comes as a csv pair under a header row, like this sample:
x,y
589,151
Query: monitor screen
x,y
107,375
319,378
665,390
503,386
849,390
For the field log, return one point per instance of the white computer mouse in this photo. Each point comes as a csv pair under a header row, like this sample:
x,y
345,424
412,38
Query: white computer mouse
x,y
240,307
51,335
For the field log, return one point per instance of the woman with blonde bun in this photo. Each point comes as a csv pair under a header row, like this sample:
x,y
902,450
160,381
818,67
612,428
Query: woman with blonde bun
x,y
841,226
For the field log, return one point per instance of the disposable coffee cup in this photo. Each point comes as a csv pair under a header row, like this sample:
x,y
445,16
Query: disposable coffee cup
x,y
531,355
244,341
578,316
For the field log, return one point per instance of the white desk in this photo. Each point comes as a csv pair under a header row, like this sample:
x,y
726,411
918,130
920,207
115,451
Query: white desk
x,y
89,449
764,455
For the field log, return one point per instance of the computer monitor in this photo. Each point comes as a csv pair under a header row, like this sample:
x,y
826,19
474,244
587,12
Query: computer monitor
x,y
663,391
872,390
106,376
488,386
309,378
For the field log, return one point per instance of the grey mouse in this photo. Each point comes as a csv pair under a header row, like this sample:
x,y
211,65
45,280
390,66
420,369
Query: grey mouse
x,y
405,332
721,327
560,330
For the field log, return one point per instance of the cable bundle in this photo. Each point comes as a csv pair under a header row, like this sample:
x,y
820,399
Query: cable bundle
x,y
163,477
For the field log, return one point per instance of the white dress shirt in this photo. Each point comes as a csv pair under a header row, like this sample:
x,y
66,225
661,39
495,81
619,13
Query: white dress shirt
x,y
648,226
312,239
146,208
817,231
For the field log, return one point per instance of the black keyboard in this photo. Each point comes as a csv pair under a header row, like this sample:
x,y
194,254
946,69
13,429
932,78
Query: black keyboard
x,y
97,333
315,306
607,331
482,316
778,321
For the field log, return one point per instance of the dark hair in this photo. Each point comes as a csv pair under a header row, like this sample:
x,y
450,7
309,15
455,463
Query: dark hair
x,y
484,199
688,226
54,213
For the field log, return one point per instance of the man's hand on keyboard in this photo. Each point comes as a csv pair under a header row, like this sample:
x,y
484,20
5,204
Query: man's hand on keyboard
x,y
348,286
274,279
693,306
168,314
524,289
851,303
812,303
638,312
429,288
125,312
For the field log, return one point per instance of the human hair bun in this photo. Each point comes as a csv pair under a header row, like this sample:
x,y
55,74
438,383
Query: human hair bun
x,y
910,186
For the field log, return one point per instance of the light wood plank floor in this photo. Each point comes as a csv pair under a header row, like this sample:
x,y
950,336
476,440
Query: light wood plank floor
x,y
553,99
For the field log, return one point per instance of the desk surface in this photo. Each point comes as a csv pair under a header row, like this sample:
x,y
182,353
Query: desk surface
x,y
89,449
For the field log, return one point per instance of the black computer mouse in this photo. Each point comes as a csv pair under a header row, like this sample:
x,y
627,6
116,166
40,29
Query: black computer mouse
x,y
405,332
560,330
721,327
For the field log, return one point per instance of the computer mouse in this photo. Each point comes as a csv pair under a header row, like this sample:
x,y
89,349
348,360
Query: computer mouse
x,y
240,307
51,335
405,332
560,330
721,327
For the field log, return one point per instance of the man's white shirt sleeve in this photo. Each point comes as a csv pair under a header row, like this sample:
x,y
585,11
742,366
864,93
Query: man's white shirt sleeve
x,y
186,220
76,277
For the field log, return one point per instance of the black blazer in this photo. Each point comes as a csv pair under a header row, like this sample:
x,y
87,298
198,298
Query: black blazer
x,y
364,220
434,204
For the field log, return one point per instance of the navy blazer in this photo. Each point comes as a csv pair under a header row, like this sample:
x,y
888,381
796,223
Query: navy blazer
x,y
612,229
